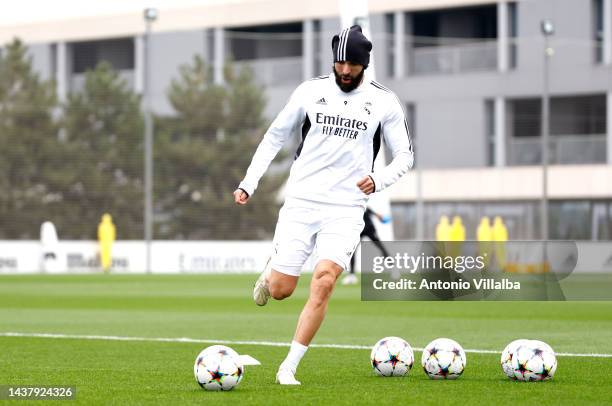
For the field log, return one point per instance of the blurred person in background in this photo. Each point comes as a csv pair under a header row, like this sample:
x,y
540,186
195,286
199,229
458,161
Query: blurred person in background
x,y
443,229
484,235
106,237
500,236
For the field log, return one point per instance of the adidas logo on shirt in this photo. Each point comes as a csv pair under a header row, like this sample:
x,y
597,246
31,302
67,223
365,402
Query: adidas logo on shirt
x,y
322,101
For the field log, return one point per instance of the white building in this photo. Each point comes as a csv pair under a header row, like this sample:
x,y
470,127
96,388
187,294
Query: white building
x,y
470,73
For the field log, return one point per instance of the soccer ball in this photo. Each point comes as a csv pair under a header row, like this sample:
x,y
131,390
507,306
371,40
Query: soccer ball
x,y
508,355
443,358
392,356
529,360
220,348
218,368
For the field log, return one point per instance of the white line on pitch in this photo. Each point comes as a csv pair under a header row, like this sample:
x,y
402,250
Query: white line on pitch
x,y
238,342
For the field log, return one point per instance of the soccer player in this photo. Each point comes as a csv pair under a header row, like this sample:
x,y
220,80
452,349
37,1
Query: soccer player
x,y
342,119
106,237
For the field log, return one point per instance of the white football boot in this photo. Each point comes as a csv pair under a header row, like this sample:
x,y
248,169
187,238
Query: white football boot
x,y
285,376
261,293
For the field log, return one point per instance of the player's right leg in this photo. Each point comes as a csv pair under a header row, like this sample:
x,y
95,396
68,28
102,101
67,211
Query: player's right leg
x,y
294,240
274,284
261,290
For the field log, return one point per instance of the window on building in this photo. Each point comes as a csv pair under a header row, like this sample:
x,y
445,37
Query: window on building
x,y
490,131
454,40
389,42
53,47
118,52
318,57
513,28
463,24
404,221
568,219
602,221
209,45
598,29
577,130
577,115
521,218
265,41
526,117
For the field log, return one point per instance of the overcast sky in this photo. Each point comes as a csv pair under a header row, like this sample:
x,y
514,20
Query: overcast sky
x,y
16,12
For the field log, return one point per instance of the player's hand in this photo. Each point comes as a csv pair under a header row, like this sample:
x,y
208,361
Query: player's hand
x,y
240,196
366,185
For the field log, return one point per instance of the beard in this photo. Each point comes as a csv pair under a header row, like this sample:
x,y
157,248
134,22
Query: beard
x,y
352,85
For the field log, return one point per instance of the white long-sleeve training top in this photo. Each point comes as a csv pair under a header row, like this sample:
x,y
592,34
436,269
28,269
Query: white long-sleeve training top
x,y
341,136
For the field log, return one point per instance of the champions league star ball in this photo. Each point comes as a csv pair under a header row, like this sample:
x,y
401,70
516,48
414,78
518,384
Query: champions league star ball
x,y
529,360
443,358
220,348
392,356
508,355
218,368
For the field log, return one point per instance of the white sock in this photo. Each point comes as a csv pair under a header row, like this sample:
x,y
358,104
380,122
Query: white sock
x,y
296,352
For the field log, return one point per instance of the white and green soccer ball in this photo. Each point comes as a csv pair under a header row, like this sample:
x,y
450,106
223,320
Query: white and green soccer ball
x,y
529,360
443,358
392,356
218,368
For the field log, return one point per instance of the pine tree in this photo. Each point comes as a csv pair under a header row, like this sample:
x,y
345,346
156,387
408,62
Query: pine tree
x,y
30,163
206,150
104,135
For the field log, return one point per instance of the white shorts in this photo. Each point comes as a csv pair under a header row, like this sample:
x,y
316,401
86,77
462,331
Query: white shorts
x,y
304,225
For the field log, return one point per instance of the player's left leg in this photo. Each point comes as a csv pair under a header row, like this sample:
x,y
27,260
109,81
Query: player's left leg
x,y
336,243
321,287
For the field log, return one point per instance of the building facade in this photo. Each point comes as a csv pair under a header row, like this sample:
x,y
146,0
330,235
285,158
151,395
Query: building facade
x,y
471,74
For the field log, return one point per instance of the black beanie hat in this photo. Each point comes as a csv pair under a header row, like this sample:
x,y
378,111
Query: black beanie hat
x,y
351,45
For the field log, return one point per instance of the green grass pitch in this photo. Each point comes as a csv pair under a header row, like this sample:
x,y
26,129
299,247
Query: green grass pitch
x,y
219,307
